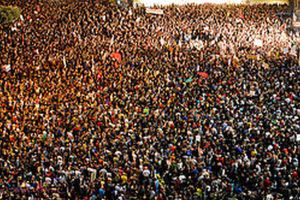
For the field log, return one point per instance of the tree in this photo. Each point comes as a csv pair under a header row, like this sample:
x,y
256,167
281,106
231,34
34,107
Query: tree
x,y
9,14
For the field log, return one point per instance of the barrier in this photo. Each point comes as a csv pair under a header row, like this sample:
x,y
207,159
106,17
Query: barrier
x,y
181,2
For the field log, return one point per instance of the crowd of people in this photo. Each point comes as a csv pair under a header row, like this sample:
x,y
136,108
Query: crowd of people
x,y
108,102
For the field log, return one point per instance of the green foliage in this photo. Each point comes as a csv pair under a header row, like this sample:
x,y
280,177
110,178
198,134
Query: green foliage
x,y
8,14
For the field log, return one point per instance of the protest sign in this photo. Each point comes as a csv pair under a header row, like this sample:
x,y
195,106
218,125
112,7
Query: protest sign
x,y
251,57
258,42
93,173
294,50
198,44
6,68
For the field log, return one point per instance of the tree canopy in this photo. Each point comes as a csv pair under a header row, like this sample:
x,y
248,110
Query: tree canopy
x,y
8,14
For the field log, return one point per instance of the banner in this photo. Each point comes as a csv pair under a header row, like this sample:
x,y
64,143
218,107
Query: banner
x,y
148,3
154,11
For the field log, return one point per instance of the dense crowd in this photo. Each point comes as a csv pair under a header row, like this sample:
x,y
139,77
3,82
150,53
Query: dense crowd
x,y
107,102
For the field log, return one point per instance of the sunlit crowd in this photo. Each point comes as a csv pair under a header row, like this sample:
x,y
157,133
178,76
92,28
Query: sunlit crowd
x,y
111,102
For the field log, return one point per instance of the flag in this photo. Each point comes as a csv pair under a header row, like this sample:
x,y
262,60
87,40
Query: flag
x,y
203,74
116,56
189,80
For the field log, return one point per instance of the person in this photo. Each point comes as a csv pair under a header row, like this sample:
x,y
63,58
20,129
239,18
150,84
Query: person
x,y
107,102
